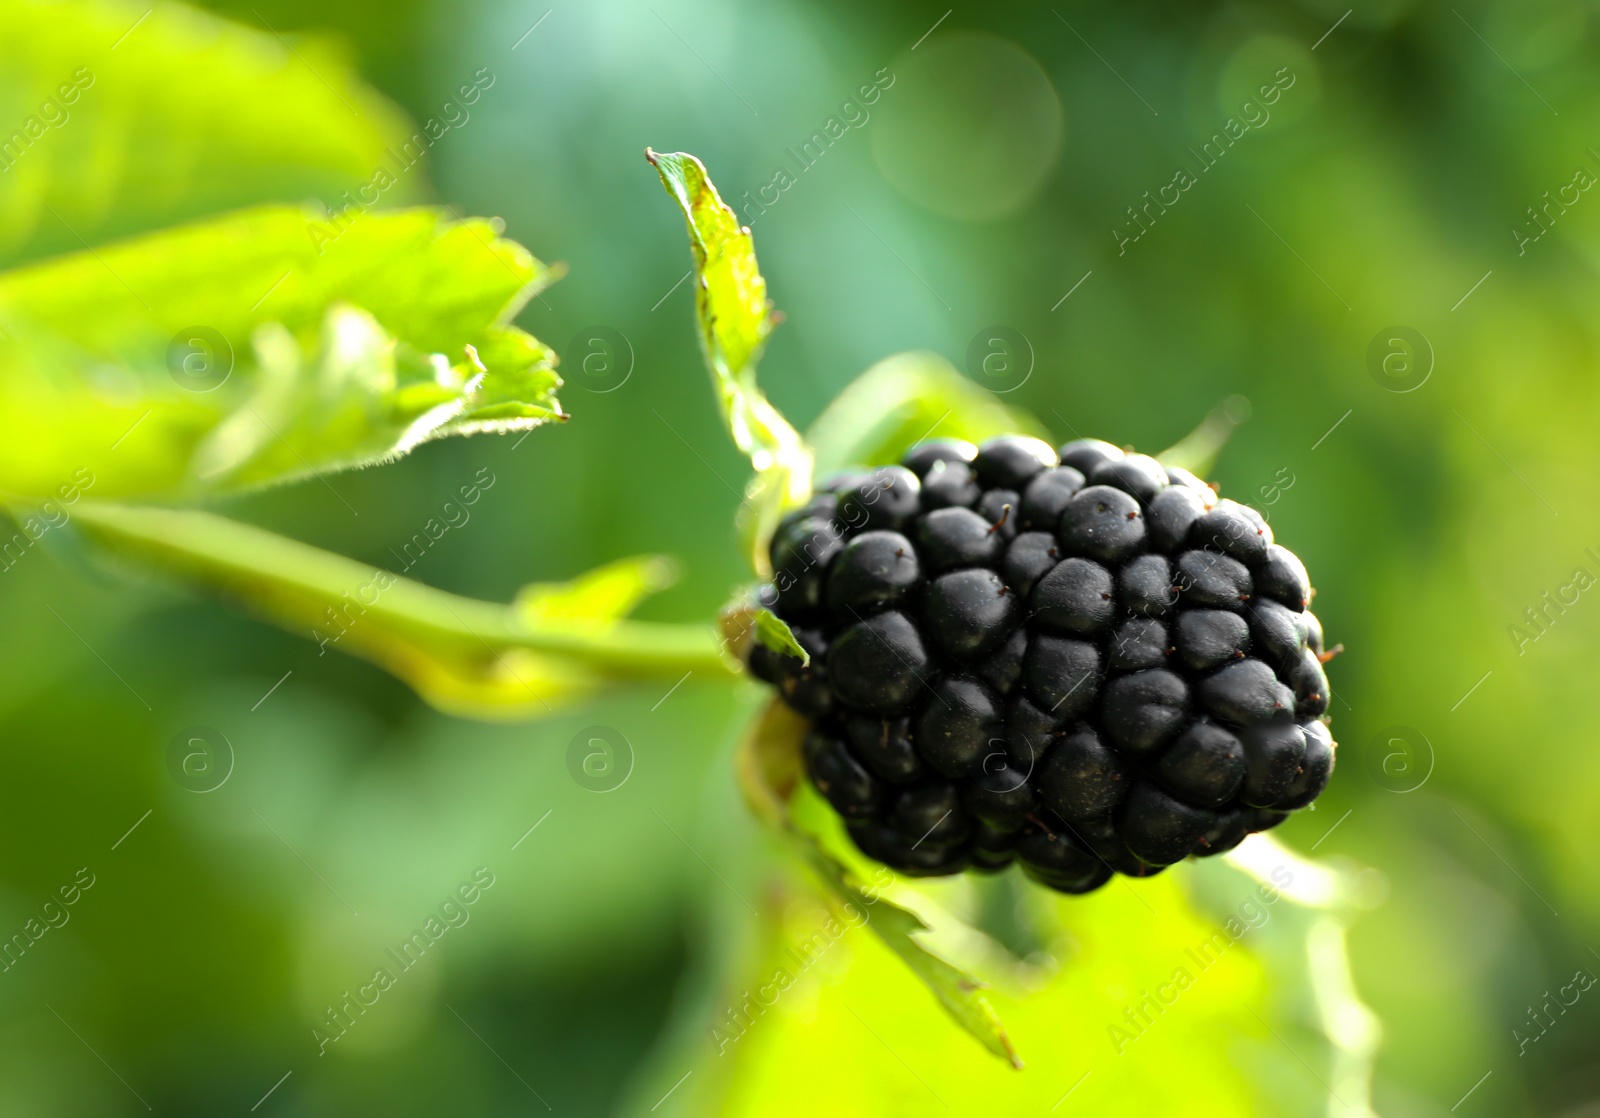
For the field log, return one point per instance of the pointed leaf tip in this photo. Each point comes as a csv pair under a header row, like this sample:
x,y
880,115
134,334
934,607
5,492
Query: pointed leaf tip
x,y
734,317
774,632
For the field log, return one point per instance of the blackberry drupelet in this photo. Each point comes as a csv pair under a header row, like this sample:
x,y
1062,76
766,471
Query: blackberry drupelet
x,y
1083,662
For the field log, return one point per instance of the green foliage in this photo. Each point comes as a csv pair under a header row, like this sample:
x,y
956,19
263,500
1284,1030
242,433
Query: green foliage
x,y
774,632
894,404
274,343
734,313
361,352
1170,995
319,347
735,317
769,768
1198,450
603,594
142,117
902,400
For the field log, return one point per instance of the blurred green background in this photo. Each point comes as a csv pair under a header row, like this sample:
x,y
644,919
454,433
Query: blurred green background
x,y
1408,173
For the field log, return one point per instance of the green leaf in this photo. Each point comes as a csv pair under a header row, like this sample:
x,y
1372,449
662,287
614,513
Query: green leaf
x,y
735,315
263,346
1197,451
734,318
604,594
769,772
124,118
902,400
1176,994
768,764
957,991
774,632
467,657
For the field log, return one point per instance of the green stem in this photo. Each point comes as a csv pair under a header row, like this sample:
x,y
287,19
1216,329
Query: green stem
x,y
468,656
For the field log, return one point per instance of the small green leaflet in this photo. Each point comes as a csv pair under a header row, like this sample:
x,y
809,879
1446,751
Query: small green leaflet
x,y
768,766
774,632
742,622
606,593
262,346
734,318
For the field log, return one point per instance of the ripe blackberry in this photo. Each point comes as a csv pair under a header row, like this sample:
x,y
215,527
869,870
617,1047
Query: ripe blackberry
x,y
1081,661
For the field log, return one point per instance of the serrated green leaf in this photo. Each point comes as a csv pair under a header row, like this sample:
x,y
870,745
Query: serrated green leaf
x,y
127,118
735,315
734,318
902,400
320,347
774,632
769,773
467,657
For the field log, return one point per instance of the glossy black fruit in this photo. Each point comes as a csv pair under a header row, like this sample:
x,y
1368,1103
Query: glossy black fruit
x,y
960,724
1102,523
1138,474
884,746
1086,662
967,613
885,498
880,665
956,537
948,485
922,458
1075,596
1084,779
1047,495
1028,559
873,570
1011,461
